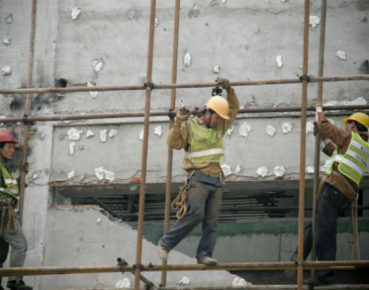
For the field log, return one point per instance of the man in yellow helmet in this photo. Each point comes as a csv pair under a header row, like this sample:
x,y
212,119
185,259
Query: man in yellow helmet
x,y
10,230
349,151
202,139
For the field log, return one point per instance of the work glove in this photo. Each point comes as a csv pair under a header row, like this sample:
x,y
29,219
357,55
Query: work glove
x,y
183,114
316,130
316,103
224,83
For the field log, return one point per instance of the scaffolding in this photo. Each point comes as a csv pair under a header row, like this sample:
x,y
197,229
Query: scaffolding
x,y
138,268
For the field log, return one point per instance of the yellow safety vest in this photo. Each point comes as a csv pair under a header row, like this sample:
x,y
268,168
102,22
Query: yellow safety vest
x,y
206,144
353,163
11,184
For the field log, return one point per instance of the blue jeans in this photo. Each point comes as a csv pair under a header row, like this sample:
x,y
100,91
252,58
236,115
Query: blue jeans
x,y
204,202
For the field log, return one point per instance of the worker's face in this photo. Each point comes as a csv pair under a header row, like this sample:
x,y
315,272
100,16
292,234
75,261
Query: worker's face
x,y
351,126
8,151
213,120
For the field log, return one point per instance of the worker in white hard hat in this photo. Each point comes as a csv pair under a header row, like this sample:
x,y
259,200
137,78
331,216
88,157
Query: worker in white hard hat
x,y
202,139
348,149
10,230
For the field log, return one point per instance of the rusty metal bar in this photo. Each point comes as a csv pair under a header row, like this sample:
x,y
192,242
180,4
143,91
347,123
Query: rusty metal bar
x,y
150,55
28,108
254,266
170,150
312,79
305,64
103,206
323,17
167,113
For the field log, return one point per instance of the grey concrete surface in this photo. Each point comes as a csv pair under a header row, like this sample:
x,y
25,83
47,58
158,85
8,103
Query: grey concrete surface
x,y
244,38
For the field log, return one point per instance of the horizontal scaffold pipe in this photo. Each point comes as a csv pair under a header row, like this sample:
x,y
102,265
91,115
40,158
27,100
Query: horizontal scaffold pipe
x,y
26,119
35,271
311,79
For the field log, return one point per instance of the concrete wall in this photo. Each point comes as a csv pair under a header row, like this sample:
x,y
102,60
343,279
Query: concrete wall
x,y
244,38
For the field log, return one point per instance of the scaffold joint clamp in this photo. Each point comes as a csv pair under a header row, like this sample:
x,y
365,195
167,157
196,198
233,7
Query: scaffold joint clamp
x,y
138,266
149,85
171,114
305,78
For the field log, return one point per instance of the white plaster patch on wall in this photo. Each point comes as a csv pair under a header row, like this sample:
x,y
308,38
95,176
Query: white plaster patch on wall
x,y
216,69
279,60
287,127
98,221
244,129
238,281
102,134
156,21
238,169
279,171
357,101
185,281
141,135
97,64
187,59
270,130
112,133
226,169
74,134
158,131
89,134
314,21
6,70
230,130
76,11
72,146
310,169
262,171
309,127
36,174
124,283
341,54
102,174
71,174
93,94
7,41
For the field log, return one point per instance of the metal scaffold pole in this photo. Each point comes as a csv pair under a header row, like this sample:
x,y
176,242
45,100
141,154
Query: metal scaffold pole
x,y
170,151
305,63
145,145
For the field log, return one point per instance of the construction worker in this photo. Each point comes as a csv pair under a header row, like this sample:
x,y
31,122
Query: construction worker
x,y
10,229
349,151
202,139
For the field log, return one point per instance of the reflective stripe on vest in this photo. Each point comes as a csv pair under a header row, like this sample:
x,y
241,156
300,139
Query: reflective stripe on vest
x,y
206,144
353,163
10,183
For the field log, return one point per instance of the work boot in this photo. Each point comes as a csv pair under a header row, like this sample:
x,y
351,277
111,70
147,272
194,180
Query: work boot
x,y
163,254
208,261
18,285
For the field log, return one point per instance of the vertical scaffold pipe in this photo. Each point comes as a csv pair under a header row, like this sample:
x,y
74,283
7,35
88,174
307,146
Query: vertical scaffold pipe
x,y
145,146
170,151
303,146
28,108
323,17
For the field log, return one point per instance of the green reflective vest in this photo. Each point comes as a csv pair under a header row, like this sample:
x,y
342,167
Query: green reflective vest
x,y
353,163
206,144
11,184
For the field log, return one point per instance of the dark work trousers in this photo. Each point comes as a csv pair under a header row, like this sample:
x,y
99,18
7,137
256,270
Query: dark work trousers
x,y
204,202
4,249
330,205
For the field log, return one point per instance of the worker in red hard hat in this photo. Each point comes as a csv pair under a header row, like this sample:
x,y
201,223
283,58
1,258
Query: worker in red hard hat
x,y
201,196
10,230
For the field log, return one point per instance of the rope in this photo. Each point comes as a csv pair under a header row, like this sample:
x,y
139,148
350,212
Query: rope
x,y
355,231
8,209
180,202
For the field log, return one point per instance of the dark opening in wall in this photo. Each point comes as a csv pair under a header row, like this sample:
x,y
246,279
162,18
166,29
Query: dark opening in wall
x,y
61,83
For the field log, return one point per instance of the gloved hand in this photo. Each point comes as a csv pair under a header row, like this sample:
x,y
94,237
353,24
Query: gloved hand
x,y
316,130
316,103
183,114
224,83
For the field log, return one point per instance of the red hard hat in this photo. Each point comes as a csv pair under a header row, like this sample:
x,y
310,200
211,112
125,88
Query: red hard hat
x,y
6,136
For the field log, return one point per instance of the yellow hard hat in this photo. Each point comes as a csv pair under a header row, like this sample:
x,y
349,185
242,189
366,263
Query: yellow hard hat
x,y
219,105
361,118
